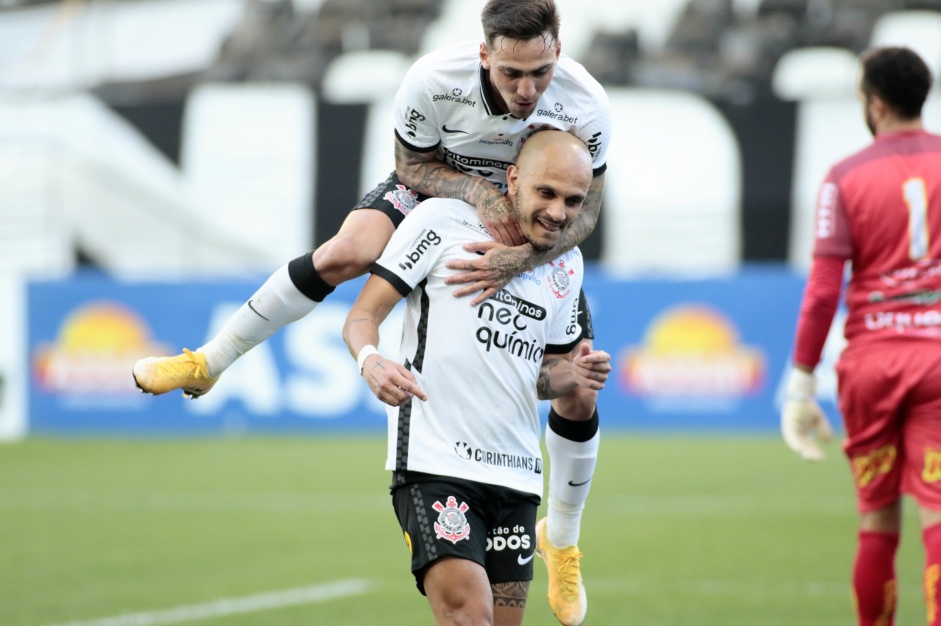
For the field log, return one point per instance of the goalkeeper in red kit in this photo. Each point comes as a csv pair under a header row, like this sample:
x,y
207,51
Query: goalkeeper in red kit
x,y
880,209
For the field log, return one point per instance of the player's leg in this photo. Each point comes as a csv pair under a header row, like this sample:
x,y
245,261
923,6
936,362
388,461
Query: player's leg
x,y
872,390
510,552
922,478
874,577
444,522
930,517
509,602
572,439
293,291
297,288
459,593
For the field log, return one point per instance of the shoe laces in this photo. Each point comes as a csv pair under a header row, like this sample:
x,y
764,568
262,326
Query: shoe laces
x,y
188,367
569,572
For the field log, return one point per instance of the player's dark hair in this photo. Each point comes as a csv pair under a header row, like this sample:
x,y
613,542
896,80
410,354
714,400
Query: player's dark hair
x,y
899,77
520,19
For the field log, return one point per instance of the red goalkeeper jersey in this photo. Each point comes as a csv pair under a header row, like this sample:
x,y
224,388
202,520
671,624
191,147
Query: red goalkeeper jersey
x,y
881,209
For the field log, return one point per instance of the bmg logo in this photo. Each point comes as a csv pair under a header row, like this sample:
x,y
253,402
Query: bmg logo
x,y
424,244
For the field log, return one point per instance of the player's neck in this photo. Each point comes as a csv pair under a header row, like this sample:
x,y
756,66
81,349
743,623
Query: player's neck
x,y
897,125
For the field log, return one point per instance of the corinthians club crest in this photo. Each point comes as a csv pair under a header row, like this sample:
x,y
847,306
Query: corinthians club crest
x,y
559,278
402,198
452,523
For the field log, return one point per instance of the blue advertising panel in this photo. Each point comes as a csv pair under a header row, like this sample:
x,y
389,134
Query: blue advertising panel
x,y
690,354
701,354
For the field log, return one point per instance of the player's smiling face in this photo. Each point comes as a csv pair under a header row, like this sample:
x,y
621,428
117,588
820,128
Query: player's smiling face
x,y
520,71
548,192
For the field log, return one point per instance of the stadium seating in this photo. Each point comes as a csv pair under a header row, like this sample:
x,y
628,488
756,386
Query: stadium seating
x,y
458,21
918,30
378,146
247,150
673,186
816,72
827,131
364,76
356,51
79,180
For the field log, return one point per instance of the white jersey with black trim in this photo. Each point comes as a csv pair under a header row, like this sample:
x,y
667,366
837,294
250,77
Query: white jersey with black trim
x,y
446,103
478,365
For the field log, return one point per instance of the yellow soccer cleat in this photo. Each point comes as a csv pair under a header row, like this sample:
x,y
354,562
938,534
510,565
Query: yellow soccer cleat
x,y
187,371
567,597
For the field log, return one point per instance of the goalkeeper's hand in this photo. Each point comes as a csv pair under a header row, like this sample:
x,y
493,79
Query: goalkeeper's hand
x,y
803,422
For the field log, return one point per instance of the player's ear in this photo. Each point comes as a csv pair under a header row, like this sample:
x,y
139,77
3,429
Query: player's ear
x,y
484,56
512,179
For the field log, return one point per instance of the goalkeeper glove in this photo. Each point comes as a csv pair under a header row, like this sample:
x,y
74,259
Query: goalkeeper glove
x,y
803,422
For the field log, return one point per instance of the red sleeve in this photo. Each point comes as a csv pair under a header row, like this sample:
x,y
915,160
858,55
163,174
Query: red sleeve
x,y
821,299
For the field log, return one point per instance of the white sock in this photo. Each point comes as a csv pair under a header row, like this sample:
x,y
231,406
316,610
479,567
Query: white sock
x,y
571,467
275,305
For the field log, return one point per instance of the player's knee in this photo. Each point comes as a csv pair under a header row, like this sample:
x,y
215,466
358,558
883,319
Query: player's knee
x,y
343,258
459,606
474,613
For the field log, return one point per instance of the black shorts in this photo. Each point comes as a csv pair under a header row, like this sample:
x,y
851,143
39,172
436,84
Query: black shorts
x,y
393,198
488,524
584,317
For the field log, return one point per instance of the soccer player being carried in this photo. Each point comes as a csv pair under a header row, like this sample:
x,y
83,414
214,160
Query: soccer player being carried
x,y
461,116
464,427
880,209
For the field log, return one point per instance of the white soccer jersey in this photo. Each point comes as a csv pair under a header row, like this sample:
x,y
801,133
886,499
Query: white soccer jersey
x,y
446,104
478,365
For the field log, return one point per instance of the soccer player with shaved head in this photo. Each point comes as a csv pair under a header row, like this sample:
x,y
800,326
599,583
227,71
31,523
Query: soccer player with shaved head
x,y
463,420
462,114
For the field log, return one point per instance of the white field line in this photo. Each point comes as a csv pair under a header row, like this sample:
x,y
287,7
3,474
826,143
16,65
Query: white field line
x,y
233,606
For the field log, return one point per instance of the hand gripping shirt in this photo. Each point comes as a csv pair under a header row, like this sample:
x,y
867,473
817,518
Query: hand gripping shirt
x,y
478,365
446,104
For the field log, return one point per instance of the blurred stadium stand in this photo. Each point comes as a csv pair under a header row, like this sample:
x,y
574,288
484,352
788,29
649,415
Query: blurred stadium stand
x,y
673,187
117,146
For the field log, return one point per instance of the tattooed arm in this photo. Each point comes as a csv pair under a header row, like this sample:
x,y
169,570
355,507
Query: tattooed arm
x,y
584,366
499,264
425,173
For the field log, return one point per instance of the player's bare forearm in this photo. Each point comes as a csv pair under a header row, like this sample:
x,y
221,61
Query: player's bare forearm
x,y
583,366
424,173
360,329
555,378
506,263
372,307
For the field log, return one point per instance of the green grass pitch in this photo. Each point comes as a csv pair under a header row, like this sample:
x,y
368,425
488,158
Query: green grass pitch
x,y
678,531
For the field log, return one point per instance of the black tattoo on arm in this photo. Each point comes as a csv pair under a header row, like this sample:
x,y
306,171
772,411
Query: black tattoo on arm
x,y
424,173
511,594
494,206
506,264
544,389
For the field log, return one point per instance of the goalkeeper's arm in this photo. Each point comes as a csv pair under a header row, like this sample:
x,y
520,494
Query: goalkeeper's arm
x,y
803,423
